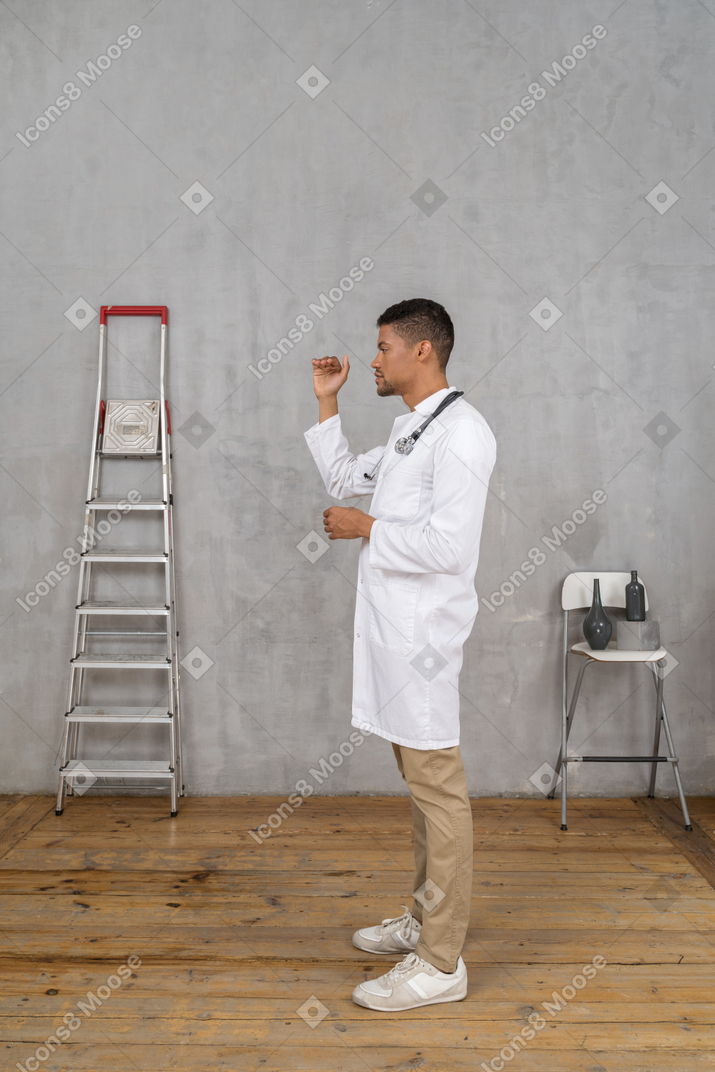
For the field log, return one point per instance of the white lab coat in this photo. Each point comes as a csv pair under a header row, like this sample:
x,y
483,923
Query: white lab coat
x,y
416,601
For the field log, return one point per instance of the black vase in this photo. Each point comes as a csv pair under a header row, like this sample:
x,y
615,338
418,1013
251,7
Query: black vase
x,y
597,626
635,599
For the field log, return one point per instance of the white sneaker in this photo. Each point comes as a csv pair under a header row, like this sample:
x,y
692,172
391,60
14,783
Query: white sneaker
x,y
411,984
399,935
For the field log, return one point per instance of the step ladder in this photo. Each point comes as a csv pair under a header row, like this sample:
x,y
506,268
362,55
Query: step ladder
x,y
138,430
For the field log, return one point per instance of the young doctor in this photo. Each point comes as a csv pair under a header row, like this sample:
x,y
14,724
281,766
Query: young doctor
x,y
416,605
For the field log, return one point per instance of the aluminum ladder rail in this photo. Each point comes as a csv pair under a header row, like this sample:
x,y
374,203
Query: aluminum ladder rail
x,y
74,772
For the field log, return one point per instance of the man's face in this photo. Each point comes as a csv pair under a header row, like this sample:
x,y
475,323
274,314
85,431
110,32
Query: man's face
x,y
396,363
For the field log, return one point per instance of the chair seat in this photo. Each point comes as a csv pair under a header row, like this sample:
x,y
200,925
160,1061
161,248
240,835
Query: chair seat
x,y
613,655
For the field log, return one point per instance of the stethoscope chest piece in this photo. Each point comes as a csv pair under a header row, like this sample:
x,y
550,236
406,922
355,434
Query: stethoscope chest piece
x,y
405,445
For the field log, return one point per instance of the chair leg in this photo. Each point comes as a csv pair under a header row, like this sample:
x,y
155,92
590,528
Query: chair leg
x,y
658,682
565,727
569,720
676,771
564,824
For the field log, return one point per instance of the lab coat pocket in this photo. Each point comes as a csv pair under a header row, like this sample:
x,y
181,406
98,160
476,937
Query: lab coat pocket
x,y
400,493
392,616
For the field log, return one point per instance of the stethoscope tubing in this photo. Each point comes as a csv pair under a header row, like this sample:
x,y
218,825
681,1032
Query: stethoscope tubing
x,y
406,444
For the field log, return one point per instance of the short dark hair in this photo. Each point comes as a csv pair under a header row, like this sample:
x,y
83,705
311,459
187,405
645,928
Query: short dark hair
x,y
421,318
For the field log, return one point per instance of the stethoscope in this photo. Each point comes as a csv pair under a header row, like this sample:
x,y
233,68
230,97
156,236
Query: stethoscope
x,y
406,444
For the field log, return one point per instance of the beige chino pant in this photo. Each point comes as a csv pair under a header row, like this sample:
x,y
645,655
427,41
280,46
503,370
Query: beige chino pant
x,y
444,848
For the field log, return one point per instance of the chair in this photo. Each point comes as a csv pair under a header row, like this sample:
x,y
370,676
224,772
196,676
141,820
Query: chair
x,y
576,594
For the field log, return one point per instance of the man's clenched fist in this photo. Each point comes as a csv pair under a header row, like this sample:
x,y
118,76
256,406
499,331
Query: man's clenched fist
x,y
346,523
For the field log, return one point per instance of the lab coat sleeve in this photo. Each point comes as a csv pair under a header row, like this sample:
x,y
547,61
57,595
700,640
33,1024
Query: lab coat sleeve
x,y
342,472
449,542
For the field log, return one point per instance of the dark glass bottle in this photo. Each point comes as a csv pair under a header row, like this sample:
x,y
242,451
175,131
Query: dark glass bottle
x,y
635,599
597,626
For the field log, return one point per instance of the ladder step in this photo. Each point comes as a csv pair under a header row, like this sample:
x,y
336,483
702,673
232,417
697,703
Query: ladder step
x,y
111,607
117,504
118,714
119,555
136,454
119,662
102,768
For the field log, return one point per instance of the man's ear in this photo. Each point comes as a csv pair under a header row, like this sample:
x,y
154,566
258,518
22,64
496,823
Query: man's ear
x,y
425,351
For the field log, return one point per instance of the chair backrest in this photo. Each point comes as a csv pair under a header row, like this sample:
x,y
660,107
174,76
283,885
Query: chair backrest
x,y
577,590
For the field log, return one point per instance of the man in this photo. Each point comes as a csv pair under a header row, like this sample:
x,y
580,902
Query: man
x,y
415,607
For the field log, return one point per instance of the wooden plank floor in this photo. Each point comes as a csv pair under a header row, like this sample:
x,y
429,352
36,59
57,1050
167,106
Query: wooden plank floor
x,y
235,937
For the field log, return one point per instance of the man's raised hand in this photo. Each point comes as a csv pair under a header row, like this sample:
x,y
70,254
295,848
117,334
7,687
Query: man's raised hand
x,y
329,376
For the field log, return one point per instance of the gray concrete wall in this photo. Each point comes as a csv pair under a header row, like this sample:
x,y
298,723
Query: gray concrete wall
x,y
614,394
